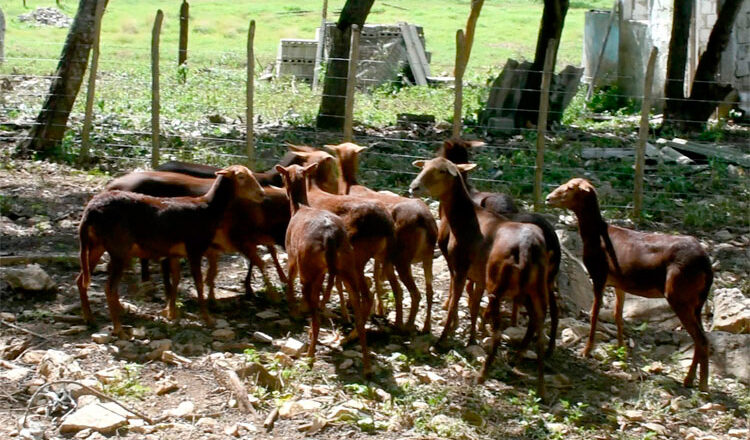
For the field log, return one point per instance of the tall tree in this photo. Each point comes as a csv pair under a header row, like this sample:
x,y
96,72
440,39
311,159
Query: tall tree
x,y
705,92
50,125
674,88
553,20
331,112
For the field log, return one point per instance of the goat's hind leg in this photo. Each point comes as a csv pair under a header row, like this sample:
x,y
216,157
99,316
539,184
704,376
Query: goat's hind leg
x,y
170,268
116,268
598,292
93,256
195,270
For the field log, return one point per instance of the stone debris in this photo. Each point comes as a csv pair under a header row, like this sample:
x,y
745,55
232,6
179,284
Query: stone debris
x,y
346,364
46,17
184,409
223,334
260,375
101,338
158,347
100,417
56,365
175,359
291,408
108,375
31,278
731,311
293,347
12,373
267,314
262,337
166,386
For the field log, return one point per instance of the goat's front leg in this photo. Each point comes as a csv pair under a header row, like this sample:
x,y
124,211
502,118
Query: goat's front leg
x,y
170,268
457,286
475,298
195,271
598,292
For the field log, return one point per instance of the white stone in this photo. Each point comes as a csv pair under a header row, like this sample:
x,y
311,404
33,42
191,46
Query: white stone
x,y
292,347
59,365
291,408
101,417
346,364
108,375
731,311
31,278
262,337
184,409
223,334
101,338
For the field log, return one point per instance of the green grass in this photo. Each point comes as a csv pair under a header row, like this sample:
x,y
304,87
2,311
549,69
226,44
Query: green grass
x,y
218,30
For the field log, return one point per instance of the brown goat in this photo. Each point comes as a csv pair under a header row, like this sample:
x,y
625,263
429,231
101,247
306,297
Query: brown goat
x,y
368,223
127,225
316,243
415,229
509,258
645,264
457,151
246,223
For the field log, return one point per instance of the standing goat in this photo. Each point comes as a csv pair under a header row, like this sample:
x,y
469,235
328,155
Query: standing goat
x,y
509,258
127,225
317,242
415,229
645,264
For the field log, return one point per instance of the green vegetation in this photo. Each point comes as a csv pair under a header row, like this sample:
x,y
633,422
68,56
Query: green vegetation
x,y
128,384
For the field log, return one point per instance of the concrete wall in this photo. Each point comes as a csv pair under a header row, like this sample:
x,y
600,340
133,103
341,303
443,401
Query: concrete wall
x,y
595,29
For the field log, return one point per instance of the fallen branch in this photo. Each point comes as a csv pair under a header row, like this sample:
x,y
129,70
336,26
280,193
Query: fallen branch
x,y
232,382
271,419
2,321
96,393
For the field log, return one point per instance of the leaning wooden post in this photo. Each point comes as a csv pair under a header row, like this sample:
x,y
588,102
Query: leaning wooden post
x,y
155,89
91,89
351,82
321,45
249,112
184,20
458,83
640,147
541,128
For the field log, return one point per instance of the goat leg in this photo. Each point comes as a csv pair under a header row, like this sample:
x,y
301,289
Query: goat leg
x,y
195,270
598,291
429,293
619,303
275,258
116,267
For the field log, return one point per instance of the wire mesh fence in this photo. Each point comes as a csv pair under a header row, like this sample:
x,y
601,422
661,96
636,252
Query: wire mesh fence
x,y
202,119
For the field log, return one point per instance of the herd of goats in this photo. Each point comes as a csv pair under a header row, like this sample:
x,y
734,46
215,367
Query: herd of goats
x,y
312,205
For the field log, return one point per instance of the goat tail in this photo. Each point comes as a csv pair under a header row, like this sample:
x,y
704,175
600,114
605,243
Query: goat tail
x,y
706,263
331,256
85,243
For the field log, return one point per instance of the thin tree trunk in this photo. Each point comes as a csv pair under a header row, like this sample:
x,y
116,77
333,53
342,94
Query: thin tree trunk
x,y
674,89
553,20
2,36
332,105
49,128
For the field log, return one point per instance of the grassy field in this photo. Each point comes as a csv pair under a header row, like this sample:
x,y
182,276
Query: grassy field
x,y
218,29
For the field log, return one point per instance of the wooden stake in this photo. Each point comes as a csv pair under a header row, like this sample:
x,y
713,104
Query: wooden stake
x,y
184,19
351,82
321,45
471,24
640,147
541,128
249,111
612,14
155,89
91,89
459,83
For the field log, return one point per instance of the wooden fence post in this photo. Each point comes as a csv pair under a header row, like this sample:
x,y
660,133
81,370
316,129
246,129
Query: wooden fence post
x,y
183,47
155,89
640,147
91,89
321,45
541,128
249,111
351,83
458,83
2,36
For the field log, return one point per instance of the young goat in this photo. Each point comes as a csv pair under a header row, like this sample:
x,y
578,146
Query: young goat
x,y
644,264
457,151
509,258
317,242
415,229
127,225
246,223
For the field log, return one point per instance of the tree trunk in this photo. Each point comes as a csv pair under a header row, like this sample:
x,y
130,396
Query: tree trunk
x,y
553,20
705,92
2,36
674,89
50,125
331,112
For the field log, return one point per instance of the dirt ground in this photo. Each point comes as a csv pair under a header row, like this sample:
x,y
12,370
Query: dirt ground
x,y
416,392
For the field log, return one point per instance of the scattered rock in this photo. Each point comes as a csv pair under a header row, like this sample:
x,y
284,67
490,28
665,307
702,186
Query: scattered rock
x,y
634,415
262,337
221,323
427,376
100,417
257,372
13,347
12,373
223,334
654,310
476,351
514,335
175,359
46,17
731,311
101,338
57,365
184,409
166,386
108,375
207,423
158,347
346,364
31,278
575,289
267,314
291,408
73,330
730,355
292,347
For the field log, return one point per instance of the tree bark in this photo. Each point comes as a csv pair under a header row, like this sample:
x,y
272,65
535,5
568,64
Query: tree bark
x,y
49,128
332,105
553,20
2,36
674,88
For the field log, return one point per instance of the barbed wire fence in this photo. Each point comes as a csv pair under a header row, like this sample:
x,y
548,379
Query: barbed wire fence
x,y
203,119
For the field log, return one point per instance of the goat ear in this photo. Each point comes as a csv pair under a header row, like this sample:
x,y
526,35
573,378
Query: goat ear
x,y
299,148
310,168
419,163
281,170
466,166
359,148
224,172
476,143
331,148
303,154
